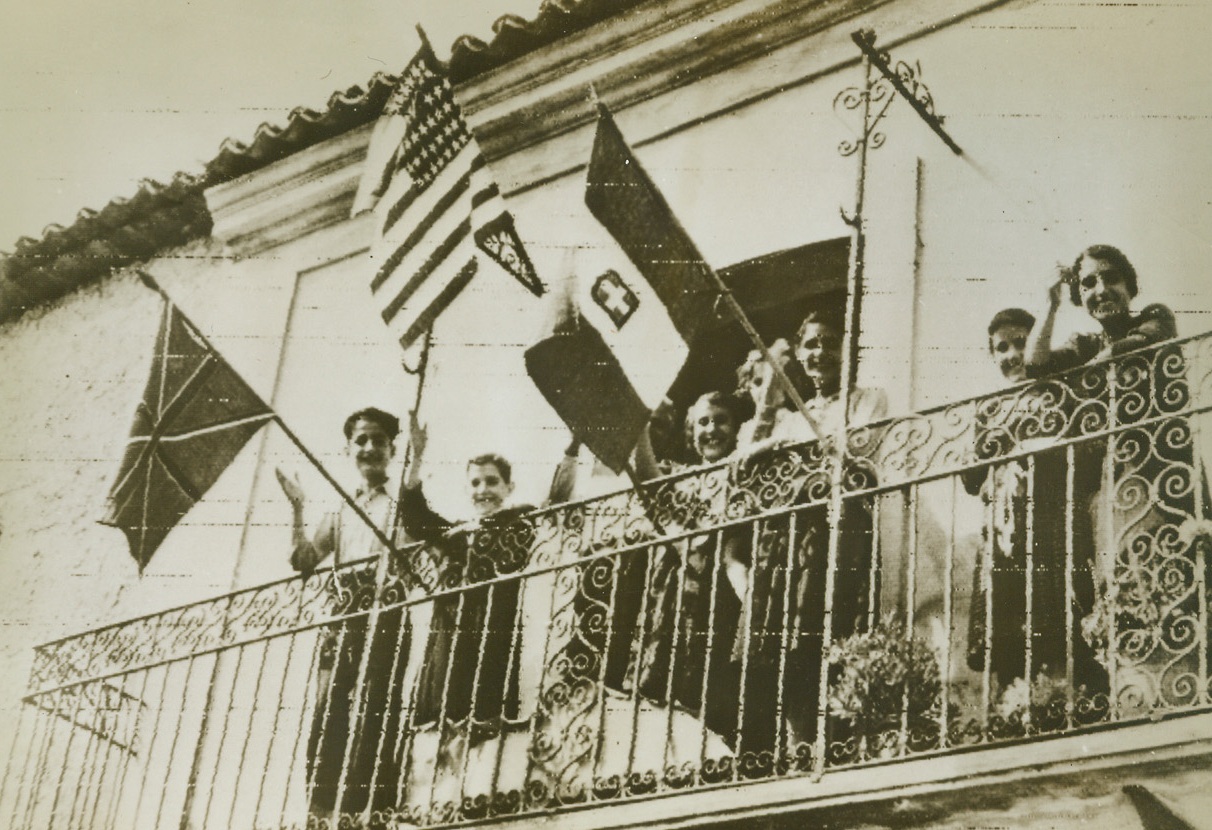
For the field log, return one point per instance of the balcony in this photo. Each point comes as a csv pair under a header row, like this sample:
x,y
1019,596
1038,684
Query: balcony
x,y
1008,586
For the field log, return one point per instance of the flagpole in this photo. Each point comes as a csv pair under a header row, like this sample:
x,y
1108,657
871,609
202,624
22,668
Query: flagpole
x,y
387,542
151,283
221,657
738,313
869,138
780,374
411,455
922,105
645,502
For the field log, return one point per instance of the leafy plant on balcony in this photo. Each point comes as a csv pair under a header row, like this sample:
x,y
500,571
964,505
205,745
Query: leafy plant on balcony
x,y
1042,703
878,677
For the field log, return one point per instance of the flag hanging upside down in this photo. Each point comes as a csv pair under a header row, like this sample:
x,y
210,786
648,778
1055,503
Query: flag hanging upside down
x,y
195,416
620,336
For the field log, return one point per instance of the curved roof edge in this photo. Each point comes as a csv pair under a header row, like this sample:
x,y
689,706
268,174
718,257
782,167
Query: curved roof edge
x,y
165,215
160,216
515,36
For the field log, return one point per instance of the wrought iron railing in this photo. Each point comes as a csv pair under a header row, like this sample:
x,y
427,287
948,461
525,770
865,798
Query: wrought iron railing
x,y
1017,566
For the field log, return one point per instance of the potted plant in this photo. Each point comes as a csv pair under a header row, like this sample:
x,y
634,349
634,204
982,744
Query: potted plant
x,y
879,681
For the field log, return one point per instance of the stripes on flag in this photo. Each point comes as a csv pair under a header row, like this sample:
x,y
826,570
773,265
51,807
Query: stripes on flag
x,y
441,218
641,292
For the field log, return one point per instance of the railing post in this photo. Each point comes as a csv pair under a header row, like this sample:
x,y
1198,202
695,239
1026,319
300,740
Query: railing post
x,y
1110,556
1029,566
1199,484
101,789
1070,674
356,714
944,714
910,613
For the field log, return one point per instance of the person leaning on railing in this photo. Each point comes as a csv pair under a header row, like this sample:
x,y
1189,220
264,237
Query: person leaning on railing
x,y
498,546
1023,498
684,644
766,624
370,443
1103,282
1146,622
470,668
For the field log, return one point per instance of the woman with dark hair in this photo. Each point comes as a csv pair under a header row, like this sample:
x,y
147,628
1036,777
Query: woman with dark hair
x,y
1103,282
1147,617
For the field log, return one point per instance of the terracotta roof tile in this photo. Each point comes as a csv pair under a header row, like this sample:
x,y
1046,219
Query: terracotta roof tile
x,y
304,127
514,36
160,216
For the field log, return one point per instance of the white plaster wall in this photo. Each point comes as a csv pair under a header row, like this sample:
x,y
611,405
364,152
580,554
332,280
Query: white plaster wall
x,y
74,372
1081,124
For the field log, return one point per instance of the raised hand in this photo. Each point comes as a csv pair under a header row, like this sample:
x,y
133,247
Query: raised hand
x,y
765,390
418,435
1058,291
291,487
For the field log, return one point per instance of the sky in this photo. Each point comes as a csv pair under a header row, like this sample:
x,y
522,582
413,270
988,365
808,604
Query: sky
x,y
95,96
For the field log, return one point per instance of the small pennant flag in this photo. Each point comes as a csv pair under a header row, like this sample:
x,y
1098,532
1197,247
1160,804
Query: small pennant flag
x,y
620,334
195,416
440,217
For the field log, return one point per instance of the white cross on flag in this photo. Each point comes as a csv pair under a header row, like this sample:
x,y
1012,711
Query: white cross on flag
x,y
622,333
440,218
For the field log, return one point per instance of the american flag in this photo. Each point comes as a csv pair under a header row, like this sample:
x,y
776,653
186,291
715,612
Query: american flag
x,y
440,217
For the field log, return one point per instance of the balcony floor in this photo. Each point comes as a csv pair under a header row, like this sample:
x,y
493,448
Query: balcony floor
x,y
1062,782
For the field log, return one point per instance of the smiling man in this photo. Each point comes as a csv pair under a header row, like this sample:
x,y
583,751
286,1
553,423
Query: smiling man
x,y
370,442
340,729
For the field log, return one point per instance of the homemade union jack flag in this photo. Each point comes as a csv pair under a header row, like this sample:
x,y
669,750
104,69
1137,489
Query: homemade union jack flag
x,y
195,416
440,217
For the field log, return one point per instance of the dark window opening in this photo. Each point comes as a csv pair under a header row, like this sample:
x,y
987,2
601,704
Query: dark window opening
x,y
777,291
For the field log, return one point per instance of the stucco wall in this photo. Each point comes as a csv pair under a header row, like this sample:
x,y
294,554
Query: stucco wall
x,y
73,372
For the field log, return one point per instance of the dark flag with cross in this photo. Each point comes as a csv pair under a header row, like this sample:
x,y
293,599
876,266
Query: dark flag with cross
x,y
624,322
440,218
